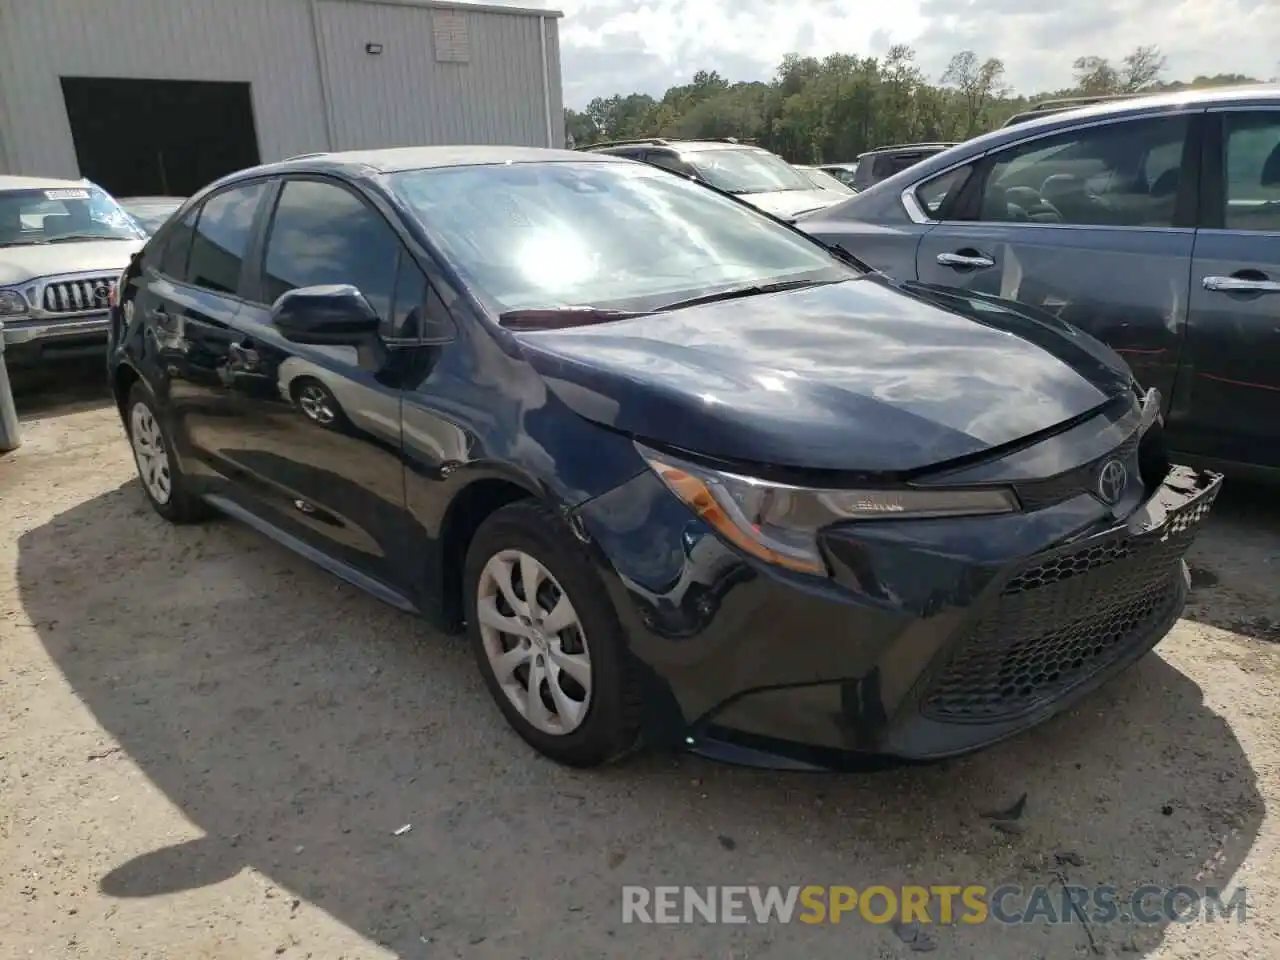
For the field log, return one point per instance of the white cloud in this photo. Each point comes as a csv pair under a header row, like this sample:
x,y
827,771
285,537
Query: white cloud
x,y
620,46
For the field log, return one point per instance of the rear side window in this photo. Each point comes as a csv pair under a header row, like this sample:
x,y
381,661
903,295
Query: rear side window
x,y
1252,164
177,247
222,236
1116,175
323,233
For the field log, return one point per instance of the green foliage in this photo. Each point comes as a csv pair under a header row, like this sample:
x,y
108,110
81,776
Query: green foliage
x,y
832,109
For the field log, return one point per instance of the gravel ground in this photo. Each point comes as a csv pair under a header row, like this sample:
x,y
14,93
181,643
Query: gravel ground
x,y
209,747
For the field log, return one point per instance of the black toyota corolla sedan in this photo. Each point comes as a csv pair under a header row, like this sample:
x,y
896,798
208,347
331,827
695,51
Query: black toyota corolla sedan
x,y
685,476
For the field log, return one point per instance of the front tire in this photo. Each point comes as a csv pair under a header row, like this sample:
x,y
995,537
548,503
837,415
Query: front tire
x,y
547,639
162,480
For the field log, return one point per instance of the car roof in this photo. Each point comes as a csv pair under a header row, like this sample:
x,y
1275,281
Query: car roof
x,y
1150,105
38,183
398,159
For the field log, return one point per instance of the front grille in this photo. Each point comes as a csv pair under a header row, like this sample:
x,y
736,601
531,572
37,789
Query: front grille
x,y
79,295
1038,494
1062,620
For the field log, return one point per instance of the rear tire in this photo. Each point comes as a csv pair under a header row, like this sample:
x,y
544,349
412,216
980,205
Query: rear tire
x,y
567,646
162,480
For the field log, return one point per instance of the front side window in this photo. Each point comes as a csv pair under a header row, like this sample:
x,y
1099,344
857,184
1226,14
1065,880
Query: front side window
x,y
1252,165
934,194
222,235
1122,174
71,214
628,236
323,234
745,170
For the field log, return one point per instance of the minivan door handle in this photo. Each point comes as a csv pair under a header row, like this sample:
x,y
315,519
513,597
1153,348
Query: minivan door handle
x,y
1246,281
966,260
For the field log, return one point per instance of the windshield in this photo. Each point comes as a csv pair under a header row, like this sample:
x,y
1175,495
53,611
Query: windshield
x,y
825,181
150,216
615,235
745,170
68,214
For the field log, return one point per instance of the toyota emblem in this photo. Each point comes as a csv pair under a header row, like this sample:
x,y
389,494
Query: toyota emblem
x,y
1112,479
101,292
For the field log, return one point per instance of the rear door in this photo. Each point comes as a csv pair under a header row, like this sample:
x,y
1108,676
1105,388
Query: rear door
x,y
1094,224
190,297
1228,404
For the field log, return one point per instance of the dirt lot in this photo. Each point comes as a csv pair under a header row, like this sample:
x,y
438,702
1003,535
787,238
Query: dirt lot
x,y
208,746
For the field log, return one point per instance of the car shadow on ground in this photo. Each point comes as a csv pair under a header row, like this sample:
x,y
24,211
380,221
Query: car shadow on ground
x,y
60,389
299,724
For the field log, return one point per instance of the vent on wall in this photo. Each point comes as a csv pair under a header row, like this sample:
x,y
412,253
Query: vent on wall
x,y
450,27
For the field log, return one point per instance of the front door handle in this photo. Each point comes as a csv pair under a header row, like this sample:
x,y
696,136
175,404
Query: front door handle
x,y
966,260
1241,285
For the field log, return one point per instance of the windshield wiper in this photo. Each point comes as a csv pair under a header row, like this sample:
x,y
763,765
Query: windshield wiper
x,y
751,290
63,238
556,318
840,253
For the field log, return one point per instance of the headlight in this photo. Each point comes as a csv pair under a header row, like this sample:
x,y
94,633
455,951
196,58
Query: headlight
x,y
11,303
780,523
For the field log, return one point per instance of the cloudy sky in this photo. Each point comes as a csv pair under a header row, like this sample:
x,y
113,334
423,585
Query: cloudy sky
x,y
619,46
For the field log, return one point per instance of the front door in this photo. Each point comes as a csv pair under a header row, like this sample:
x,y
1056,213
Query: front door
x,y
321,437
1094,225
1229,396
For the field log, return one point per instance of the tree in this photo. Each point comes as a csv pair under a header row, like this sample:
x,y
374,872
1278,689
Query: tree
x,y
1095,76
978,83
834,108
1142,69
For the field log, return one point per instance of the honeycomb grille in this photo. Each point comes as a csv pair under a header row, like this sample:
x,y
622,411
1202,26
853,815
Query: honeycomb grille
x,y
1063,620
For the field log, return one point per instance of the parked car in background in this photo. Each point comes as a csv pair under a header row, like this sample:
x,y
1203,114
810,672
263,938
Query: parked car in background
x,y
761,178
151,212
1151,223
825,181
846,173
686,475
1046,107
884,162
63,243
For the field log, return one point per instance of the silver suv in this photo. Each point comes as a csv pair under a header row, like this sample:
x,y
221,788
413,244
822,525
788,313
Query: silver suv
x,y
63,244
1153,223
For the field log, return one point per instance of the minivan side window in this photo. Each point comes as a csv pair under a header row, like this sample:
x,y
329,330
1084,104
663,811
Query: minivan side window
x,y
1252,164
323,233
223,232
1123,174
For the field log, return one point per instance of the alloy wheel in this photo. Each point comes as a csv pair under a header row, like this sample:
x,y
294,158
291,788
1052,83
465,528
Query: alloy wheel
x,y
534,641
314,401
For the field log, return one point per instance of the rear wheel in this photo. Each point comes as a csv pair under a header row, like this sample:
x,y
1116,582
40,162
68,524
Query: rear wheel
x,y
547,639
162,480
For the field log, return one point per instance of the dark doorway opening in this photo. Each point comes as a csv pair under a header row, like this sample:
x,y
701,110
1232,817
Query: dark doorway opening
x,y
159,137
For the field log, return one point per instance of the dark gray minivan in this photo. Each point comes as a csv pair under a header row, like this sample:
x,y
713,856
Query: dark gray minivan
x,y
1152,223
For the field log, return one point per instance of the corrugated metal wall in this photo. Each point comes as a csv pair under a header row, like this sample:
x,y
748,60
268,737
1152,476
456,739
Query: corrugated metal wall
x,y
486,87
401,97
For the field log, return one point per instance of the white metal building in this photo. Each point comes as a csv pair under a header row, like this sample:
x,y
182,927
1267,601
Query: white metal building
x,y
162,96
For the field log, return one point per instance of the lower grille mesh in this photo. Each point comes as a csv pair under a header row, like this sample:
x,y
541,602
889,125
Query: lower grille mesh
x,y
1062,620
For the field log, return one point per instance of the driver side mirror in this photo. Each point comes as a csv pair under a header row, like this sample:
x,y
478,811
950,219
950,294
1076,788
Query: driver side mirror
x,y
330,315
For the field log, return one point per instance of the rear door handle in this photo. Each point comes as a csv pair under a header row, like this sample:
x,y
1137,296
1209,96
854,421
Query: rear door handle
x,y
966,261
1241,285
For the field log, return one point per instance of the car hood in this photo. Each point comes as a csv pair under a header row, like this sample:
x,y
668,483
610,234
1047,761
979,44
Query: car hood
x,y
790,203
866,376
20,264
